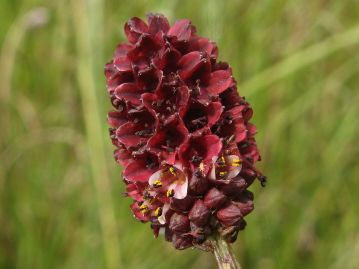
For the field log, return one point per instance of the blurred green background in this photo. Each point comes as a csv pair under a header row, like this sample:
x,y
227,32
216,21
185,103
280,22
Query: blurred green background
x,y
297,62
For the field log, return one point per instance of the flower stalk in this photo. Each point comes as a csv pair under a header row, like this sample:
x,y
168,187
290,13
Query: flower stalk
x,y
224,255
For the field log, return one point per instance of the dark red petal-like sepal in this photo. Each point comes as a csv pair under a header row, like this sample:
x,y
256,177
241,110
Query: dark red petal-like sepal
x,y
230,215
157,23
182,29
134,28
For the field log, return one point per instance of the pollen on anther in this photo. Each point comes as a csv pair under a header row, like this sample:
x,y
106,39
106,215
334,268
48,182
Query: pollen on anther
x,y
222,174
158,211
170,193
157,183
143,208
236,162
172,170
222,161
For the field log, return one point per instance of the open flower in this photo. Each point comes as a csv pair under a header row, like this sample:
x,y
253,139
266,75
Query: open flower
x,y
181,131
170,181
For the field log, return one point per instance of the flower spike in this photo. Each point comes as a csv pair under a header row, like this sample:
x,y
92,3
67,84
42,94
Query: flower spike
x,y
182,132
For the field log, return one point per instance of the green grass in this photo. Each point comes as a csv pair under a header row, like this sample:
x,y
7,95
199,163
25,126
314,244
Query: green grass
x,y
297,62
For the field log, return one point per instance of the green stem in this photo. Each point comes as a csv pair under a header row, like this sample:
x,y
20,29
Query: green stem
x,y
224,255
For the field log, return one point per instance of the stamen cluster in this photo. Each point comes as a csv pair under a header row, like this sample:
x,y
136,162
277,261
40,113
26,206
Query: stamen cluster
x,y
181,131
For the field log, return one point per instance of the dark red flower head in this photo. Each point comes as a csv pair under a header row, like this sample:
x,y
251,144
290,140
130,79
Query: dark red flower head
x,y
182,132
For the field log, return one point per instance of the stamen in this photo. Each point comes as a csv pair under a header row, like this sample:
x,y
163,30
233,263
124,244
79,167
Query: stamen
x,y
198,173
201,167
120,108
170,193
222,174
157,183
222,161
143,209
236,162
147,195
172,170
229,139
263,180
144,133
196,159
228,119
158,211
150,162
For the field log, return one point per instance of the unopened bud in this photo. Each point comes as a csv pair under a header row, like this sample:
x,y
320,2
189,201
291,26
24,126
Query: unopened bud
x,y
179,223
214,198
181,242
249,175
229,233
235,187
245,203
199,213
230,215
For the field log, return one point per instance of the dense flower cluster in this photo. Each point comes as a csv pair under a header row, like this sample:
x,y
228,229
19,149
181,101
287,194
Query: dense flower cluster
x,y
182,132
